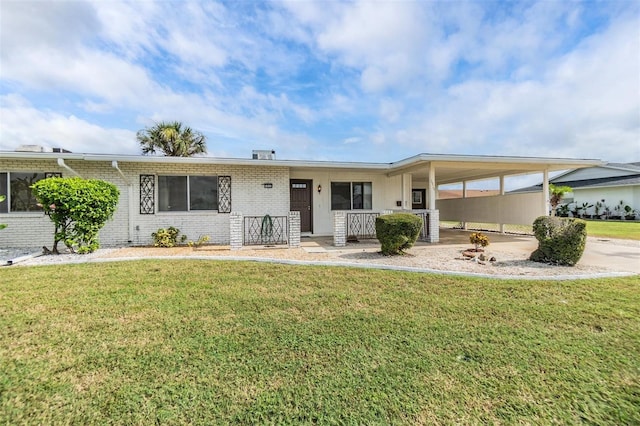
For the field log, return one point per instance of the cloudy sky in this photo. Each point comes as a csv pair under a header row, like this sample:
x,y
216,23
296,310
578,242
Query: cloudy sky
x,y
352,81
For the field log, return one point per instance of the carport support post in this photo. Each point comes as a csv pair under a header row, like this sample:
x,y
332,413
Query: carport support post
x,y
502,193
545,191
434,214
464,195
294,229
339,228
431,190
235,230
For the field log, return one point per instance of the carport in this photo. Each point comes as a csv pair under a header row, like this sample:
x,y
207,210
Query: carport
x,y
429,171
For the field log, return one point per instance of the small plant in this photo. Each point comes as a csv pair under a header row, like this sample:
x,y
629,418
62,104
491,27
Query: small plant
x,y
585,206
562,210
167,237
575,211
621,210
2,225
397,232
478,239
598,207
202,239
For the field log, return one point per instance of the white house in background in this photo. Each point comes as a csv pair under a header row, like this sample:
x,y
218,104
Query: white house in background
x,y
204,195
609,184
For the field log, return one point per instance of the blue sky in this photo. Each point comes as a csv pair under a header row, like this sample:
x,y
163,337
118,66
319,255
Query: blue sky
x,y
349,81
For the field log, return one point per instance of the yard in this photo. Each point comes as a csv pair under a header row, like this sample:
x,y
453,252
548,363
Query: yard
x,y
629,230
210,342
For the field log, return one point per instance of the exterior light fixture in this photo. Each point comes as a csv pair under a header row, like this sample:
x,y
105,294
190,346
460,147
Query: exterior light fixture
x,y
319,189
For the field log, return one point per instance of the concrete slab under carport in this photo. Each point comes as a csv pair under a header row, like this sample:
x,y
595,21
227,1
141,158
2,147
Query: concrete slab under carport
x,y
619,255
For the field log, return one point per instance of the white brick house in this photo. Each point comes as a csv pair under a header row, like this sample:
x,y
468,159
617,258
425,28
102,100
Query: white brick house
x,y
198,195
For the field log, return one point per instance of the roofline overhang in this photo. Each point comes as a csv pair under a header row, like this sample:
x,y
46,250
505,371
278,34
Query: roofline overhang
x,y
394,168
529,164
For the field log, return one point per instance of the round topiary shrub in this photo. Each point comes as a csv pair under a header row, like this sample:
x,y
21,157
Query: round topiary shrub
x,y
397,232
561,241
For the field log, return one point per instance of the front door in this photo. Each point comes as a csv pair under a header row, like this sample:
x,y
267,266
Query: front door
x,y
418,201
301,194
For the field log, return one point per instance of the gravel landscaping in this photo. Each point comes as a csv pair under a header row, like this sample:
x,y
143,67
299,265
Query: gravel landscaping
x,y
509,262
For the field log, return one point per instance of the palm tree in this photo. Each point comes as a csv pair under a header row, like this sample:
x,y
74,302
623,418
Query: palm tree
x,y
172,140
556,193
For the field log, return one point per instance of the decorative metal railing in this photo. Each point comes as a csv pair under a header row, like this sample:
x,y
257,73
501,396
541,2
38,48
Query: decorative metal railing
x,y
266,230
424,232
361,225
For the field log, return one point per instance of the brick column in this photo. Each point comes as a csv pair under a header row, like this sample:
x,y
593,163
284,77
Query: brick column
x,y
294,229
434,226
236,230
339,229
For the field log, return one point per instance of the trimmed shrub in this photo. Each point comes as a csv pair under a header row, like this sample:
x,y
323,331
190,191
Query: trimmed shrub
x,y
78,209
397,232
561,241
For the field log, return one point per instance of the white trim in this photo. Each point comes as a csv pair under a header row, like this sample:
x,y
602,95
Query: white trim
x,y
389,167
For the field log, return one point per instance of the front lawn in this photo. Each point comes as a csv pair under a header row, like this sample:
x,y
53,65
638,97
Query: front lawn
x,y
629,230
208,342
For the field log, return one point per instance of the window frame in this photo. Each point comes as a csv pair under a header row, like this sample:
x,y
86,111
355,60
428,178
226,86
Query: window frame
x,y
6,190
352,191
189,209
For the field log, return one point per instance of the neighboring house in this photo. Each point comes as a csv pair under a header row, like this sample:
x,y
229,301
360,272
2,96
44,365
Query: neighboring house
x,y
601,187
201,195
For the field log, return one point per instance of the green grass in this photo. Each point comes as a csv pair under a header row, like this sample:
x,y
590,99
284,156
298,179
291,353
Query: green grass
x,y
204,342
629,230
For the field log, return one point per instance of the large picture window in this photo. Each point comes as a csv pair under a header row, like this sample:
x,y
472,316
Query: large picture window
x,y
16,187
351,196
186,193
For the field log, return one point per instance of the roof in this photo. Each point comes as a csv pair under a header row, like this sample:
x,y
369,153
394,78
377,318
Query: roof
x,y
449,168
628,167
591,183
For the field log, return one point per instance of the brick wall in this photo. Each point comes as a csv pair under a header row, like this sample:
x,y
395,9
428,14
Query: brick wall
x,y
248,195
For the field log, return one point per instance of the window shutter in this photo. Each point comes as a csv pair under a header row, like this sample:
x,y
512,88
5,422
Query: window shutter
x,y
147,194
224,194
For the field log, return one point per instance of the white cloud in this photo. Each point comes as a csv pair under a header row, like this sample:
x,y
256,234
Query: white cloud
x,y
25,125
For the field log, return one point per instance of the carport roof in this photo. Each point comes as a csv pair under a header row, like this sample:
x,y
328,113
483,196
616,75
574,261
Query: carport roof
x,y
450,168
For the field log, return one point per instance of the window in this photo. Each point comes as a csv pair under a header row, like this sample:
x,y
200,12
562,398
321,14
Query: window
x,y
351,196
16,187
186,193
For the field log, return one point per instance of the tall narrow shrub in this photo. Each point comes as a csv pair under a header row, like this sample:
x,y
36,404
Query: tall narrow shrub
x,y
78,209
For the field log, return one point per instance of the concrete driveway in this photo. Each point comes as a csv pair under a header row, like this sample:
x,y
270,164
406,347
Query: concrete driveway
x,y
621,255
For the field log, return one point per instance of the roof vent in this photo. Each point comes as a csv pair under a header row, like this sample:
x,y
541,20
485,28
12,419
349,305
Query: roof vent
x,y
33,148
263,154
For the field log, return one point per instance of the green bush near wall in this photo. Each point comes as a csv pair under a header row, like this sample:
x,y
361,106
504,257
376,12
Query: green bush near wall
x,y
397,232
561,241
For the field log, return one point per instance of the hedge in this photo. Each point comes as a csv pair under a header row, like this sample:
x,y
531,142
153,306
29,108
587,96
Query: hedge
x,y
561,241
397,232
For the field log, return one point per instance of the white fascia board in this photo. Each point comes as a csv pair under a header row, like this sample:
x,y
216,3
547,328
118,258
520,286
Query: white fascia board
x,y
557,163
420,158
191,160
